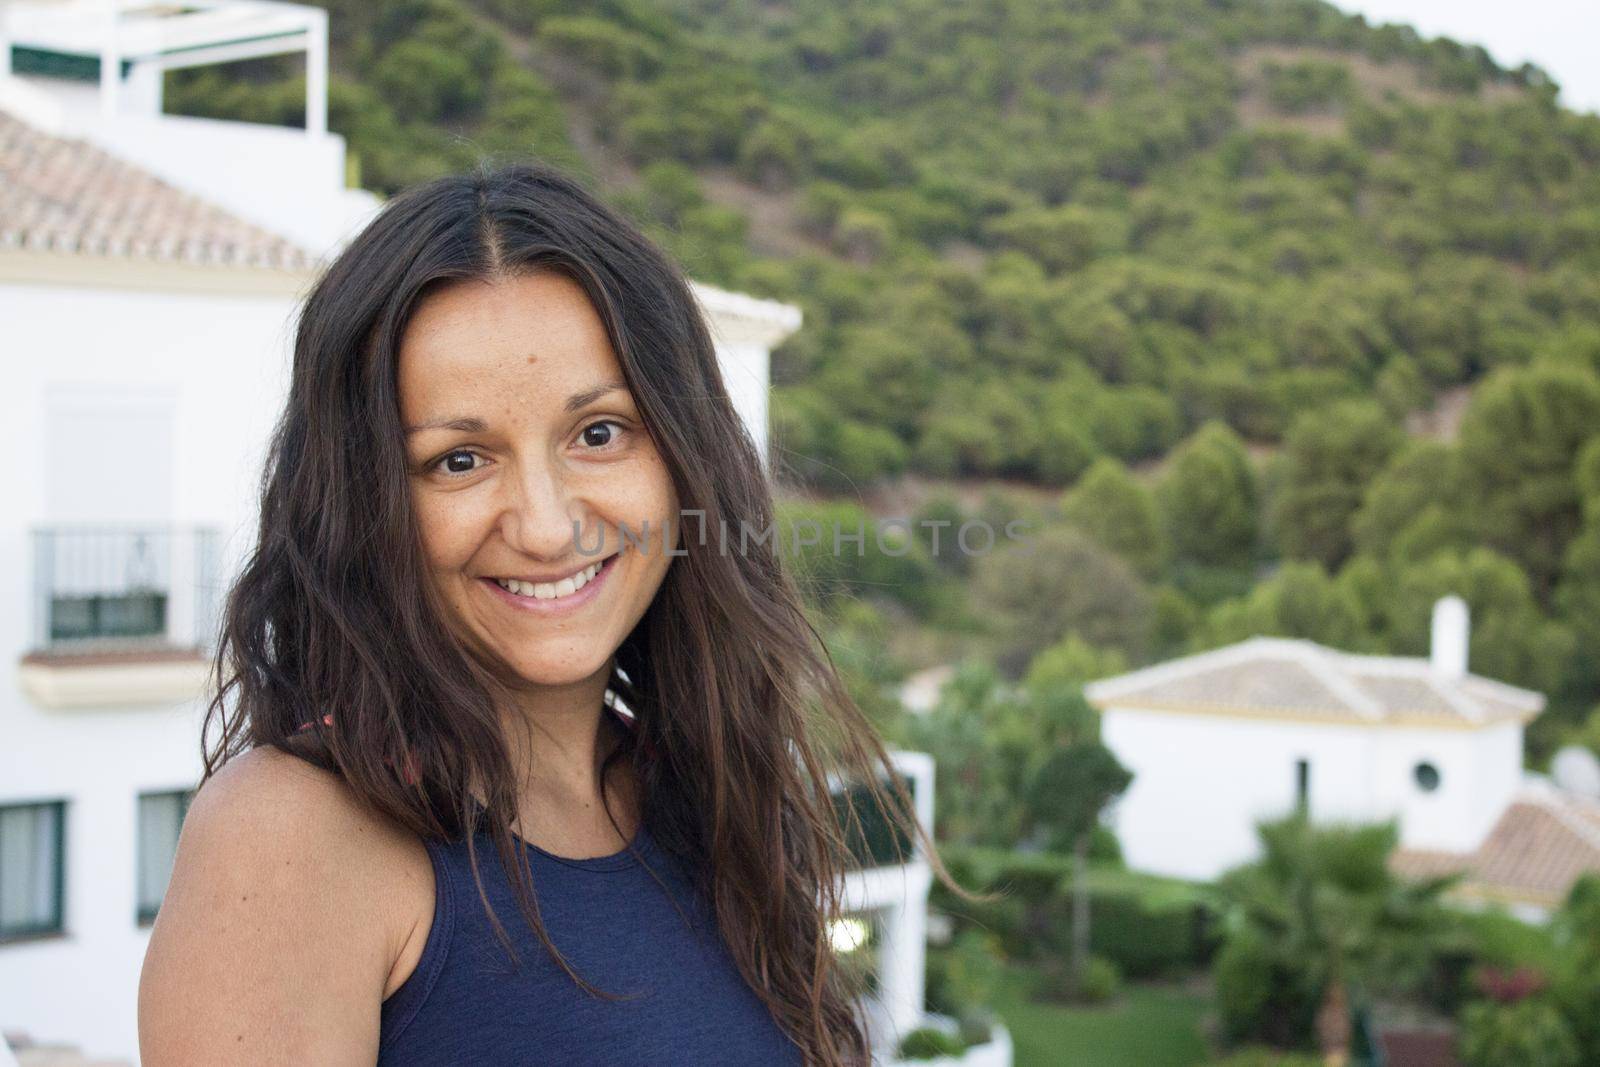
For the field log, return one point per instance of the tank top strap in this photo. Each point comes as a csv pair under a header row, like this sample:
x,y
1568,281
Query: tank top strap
x,y
397,1012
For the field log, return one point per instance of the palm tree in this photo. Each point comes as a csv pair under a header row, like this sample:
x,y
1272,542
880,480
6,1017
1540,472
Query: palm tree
x,y
1324,902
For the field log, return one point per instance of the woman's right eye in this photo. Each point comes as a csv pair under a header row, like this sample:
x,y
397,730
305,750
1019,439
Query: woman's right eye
x,y
457,462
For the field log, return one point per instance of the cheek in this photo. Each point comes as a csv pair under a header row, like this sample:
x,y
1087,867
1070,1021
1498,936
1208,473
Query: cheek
x,y
643,493
657,501
446,530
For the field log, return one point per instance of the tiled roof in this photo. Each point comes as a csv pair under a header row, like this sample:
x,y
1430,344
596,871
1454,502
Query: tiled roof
x,y
1280,677
1542,843
61,194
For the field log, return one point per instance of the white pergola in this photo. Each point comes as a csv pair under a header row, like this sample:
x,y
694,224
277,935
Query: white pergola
x,y
156,37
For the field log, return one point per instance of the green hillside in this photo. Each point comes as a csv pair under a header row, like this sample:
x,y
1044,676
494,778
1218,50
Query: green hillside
x,y
1279,321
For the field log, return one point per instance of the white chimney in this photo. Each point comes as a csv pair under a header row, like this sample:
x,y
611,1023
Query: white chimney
x,y
1449,649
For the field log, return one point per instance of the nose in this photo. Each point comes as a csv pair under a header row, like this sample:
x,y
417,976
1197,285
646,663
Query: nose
x,y
541,513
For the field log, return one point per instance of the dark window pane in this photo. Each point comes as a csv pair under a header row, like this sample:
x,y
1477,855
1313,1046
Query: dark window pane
x,y
874,845
160,820
30,869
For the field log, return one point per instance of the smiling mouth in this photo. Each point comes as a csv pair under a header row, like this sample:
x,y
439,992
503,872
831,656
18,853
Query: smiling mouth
x,y
553,590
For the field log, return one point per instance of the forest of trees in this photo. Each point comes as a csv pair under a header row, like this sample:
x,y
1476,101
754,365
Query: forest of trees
x,y
1185,280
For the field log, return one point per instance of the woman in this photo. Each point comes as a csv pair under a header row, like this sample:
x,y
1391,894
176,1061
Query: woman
x,y
490,514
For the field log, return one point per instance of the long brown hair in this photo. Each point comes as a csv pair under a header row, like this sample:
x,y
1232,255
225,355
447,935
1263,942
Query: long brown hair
x,y
740,719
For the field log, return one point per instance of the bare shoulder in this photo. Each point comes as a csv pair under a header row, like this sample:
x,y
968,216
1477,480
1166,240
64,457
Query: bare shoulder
x,y
268,803
289,906
277,790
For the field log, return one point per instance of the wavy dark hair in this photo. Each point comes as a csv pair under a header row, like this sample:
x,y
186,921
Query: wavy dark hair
x,y
741,725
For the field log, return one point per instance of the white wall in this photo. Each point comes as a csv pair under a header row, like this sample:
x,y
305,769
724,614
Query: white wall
x,y
745,373
221,359
277,177
1498,754
1478,773
130,481
1203,781
218,363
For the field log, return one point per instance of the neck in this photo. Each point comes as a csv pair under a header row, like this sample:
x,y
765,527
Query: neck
x,y
558,740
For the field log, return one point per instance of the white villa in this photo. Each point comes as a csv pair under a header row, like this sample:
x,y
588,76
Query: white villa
x,y
150,269
1222,739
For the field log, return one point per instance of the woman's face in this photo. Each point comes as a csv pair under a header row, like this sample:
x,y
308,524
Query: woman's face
x,y
528,460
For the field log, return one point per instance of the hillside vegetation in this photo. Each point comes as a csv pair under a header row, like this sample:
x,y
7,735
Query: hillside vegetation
x,y
1194,271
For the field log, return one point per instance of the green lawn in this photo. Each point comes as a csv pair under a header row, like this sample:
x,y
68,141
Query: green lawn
x,y
1146,1026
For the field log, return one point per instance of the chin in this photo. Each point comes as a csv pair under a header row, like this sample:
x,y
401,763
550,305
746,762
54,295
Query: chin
x,y
564,670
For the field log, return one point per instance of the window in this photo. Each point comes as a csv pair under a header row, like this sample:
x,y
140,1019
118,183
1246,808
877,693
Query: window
x,y
877,840
160,819
1302,786
32,840
107,584
1427,776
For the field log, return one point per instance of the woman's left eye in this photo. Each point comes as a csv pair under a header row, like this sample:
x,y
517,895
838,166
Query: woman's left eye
x,y
596,435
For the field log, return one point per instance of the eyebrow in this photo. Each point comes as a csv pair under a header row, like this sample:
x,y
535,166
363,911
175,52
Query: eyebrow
x,y
472,424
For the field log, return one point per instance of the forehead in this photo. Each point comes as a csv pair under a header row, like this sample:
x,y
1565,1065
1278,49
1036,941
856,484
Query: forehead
x,y
475,337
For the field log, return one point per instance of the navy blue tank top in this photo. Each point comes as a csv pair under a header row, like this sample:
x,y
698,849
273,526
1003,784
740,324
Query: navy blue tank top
x,y
465,1004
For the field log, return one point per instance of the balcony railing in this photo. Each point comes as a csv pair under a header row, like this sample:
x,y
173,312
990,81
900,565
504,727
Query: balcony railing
x,y
879,840
124,589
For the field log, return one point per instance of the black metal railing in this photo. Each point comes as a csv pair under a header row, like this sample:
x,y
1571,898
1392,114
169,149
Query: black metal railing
x,y
112,588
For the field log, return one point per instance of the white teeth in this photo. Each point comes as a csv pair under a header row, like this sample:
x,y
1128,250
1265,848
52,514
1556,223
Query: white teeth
x,y
550,590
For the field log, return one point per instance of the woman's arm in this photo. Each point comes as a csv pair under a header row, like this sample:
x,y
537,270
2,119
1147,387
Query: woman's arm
x,y
271,945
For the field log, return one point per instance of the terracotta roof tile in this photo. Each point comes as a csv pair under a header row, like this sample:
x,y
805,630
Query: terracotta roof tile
x,y
1543,842
61,194
1421,863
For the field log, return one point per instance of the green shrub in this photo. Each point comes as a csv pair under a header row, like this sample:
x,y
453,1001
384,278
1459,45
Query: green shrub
x,y
1006,919
1504,940
1101,980
962,978
1258,998
927,1043
1055,984
1034,877
1528,1033
601,44
1146,926
1478,939
1104,848
1143,939
1300,87
1146,938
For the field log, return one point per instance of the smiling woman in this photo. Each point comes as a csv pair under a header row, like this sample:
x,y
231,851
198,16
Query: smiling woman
x,y
515,500
468,565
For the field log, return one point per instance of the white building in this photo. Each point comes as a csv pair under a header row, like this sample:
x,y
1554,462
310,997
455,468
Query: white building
x,y
145,339
150,269
93,69
888,918
1222,739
